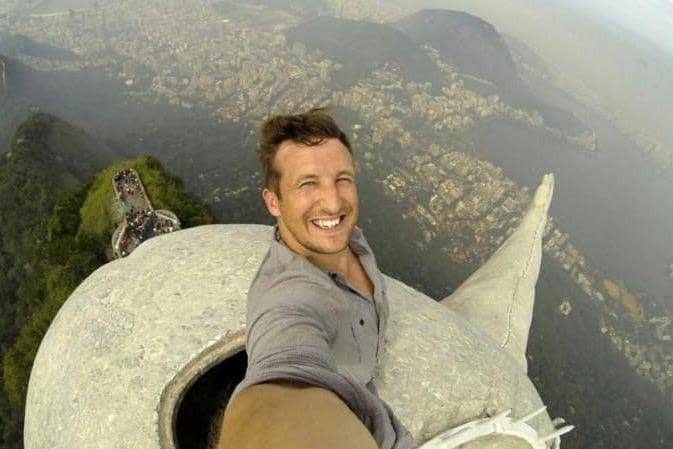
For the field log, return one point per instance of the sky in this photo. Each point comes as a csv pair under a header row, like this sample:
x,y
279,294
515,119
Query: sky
x,y
651,19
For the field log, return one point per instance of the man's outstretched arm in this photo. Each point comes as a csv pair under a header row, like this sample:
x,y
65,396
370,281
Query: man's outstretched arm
x,y
289,335
288,340
291,415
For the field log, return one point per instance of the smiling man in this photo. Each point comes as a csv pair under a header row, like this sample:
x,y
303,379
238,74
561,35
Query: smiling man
x,y
317,308
317,215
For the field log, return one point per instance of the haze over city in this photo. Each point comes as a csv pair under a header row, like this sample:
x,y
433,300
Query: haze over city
x,y
456,109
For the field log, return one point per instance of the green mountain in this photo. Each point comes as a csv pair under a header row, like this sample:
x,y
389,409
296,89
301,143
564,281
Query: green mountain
x,y
362,47
46,159
468,43
55,233
475,48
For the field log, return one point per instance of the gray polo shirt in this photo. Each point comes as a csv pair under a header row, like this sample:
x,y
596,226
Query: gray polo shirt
x,y
309,325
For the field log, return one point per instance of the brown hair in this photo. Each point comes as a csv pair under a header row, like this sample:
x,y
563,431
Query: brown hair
x,y
309,128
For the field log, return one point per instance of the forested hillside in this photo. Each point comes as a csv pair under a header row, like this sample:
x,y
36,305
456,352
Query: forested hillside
x,y
54,231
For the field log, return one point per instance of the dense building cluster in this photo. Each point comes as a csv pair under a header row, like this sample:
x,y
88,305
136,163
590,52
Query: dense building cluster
x,y
371,11
185,52
652,361
389,103
13,6
470,202
474,208
190,53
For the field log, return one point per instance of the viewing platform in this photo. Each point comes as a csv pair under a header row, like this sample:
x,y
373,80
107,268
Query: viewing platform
x,y
137,221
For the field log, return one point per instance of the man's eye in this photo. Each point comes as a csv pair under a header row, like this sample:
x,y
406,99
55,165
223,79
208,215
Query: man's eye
x,y
306,183
345,179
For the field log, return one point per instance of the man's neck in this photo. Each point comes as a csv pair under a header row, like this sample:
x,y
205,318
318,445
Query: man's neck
x,y
341,262
346,263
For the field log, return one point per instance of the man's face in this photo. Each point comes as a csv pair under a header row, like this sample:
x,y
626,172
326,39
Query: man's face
x,y
316,182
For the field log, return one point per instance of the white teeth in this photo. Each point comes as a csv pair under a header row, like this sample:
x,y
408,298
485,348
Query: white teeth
x,y
327,223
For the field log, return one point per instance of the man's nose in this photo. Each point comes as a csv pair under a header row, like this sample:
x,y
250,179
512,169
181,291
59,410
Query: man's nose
x,y
331,201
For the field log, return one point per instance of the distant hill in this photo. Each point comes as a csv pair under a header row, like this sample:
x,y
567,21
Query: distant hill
x,y
605,66
466,42
475,48
362,47
65,152
46,159
526,59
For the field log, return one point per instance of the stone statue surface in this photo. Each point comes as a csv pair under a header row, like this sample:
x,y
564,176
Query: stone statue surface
x,y
129,341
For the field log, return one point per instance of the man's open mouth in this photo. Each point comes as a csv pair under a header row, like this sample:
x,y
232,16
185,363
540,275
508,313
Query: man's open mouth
x,y
329,224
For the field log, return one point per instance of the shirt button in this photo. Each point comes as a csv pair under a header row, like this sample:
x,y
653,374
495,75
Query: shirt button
x,y
362,322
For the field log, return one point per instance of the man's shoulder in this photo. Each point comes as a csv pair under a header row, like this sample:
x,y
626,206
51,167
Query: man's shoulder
x,y
294,280
292,283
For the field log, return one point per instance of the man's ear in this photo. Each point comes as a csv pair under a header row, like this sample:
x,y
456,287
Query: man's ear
x,y
271,200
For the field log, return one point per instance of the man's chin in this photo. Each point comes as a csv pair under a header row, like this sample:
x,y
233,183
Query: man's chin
x,y
329,241
330,249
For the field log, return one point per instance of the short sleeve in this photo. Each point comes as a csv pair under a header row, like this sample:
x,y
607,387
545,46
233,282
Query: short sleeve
x,y
294,328
289,333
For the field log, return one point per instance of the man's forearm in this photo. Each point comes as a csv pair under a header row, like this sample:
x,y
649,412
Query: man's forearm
x,y
291,415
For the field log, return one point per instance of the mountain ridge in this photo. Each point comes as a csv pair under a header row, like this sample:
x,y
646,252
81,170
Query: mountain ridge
x,y
476,48
56,232
362,47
